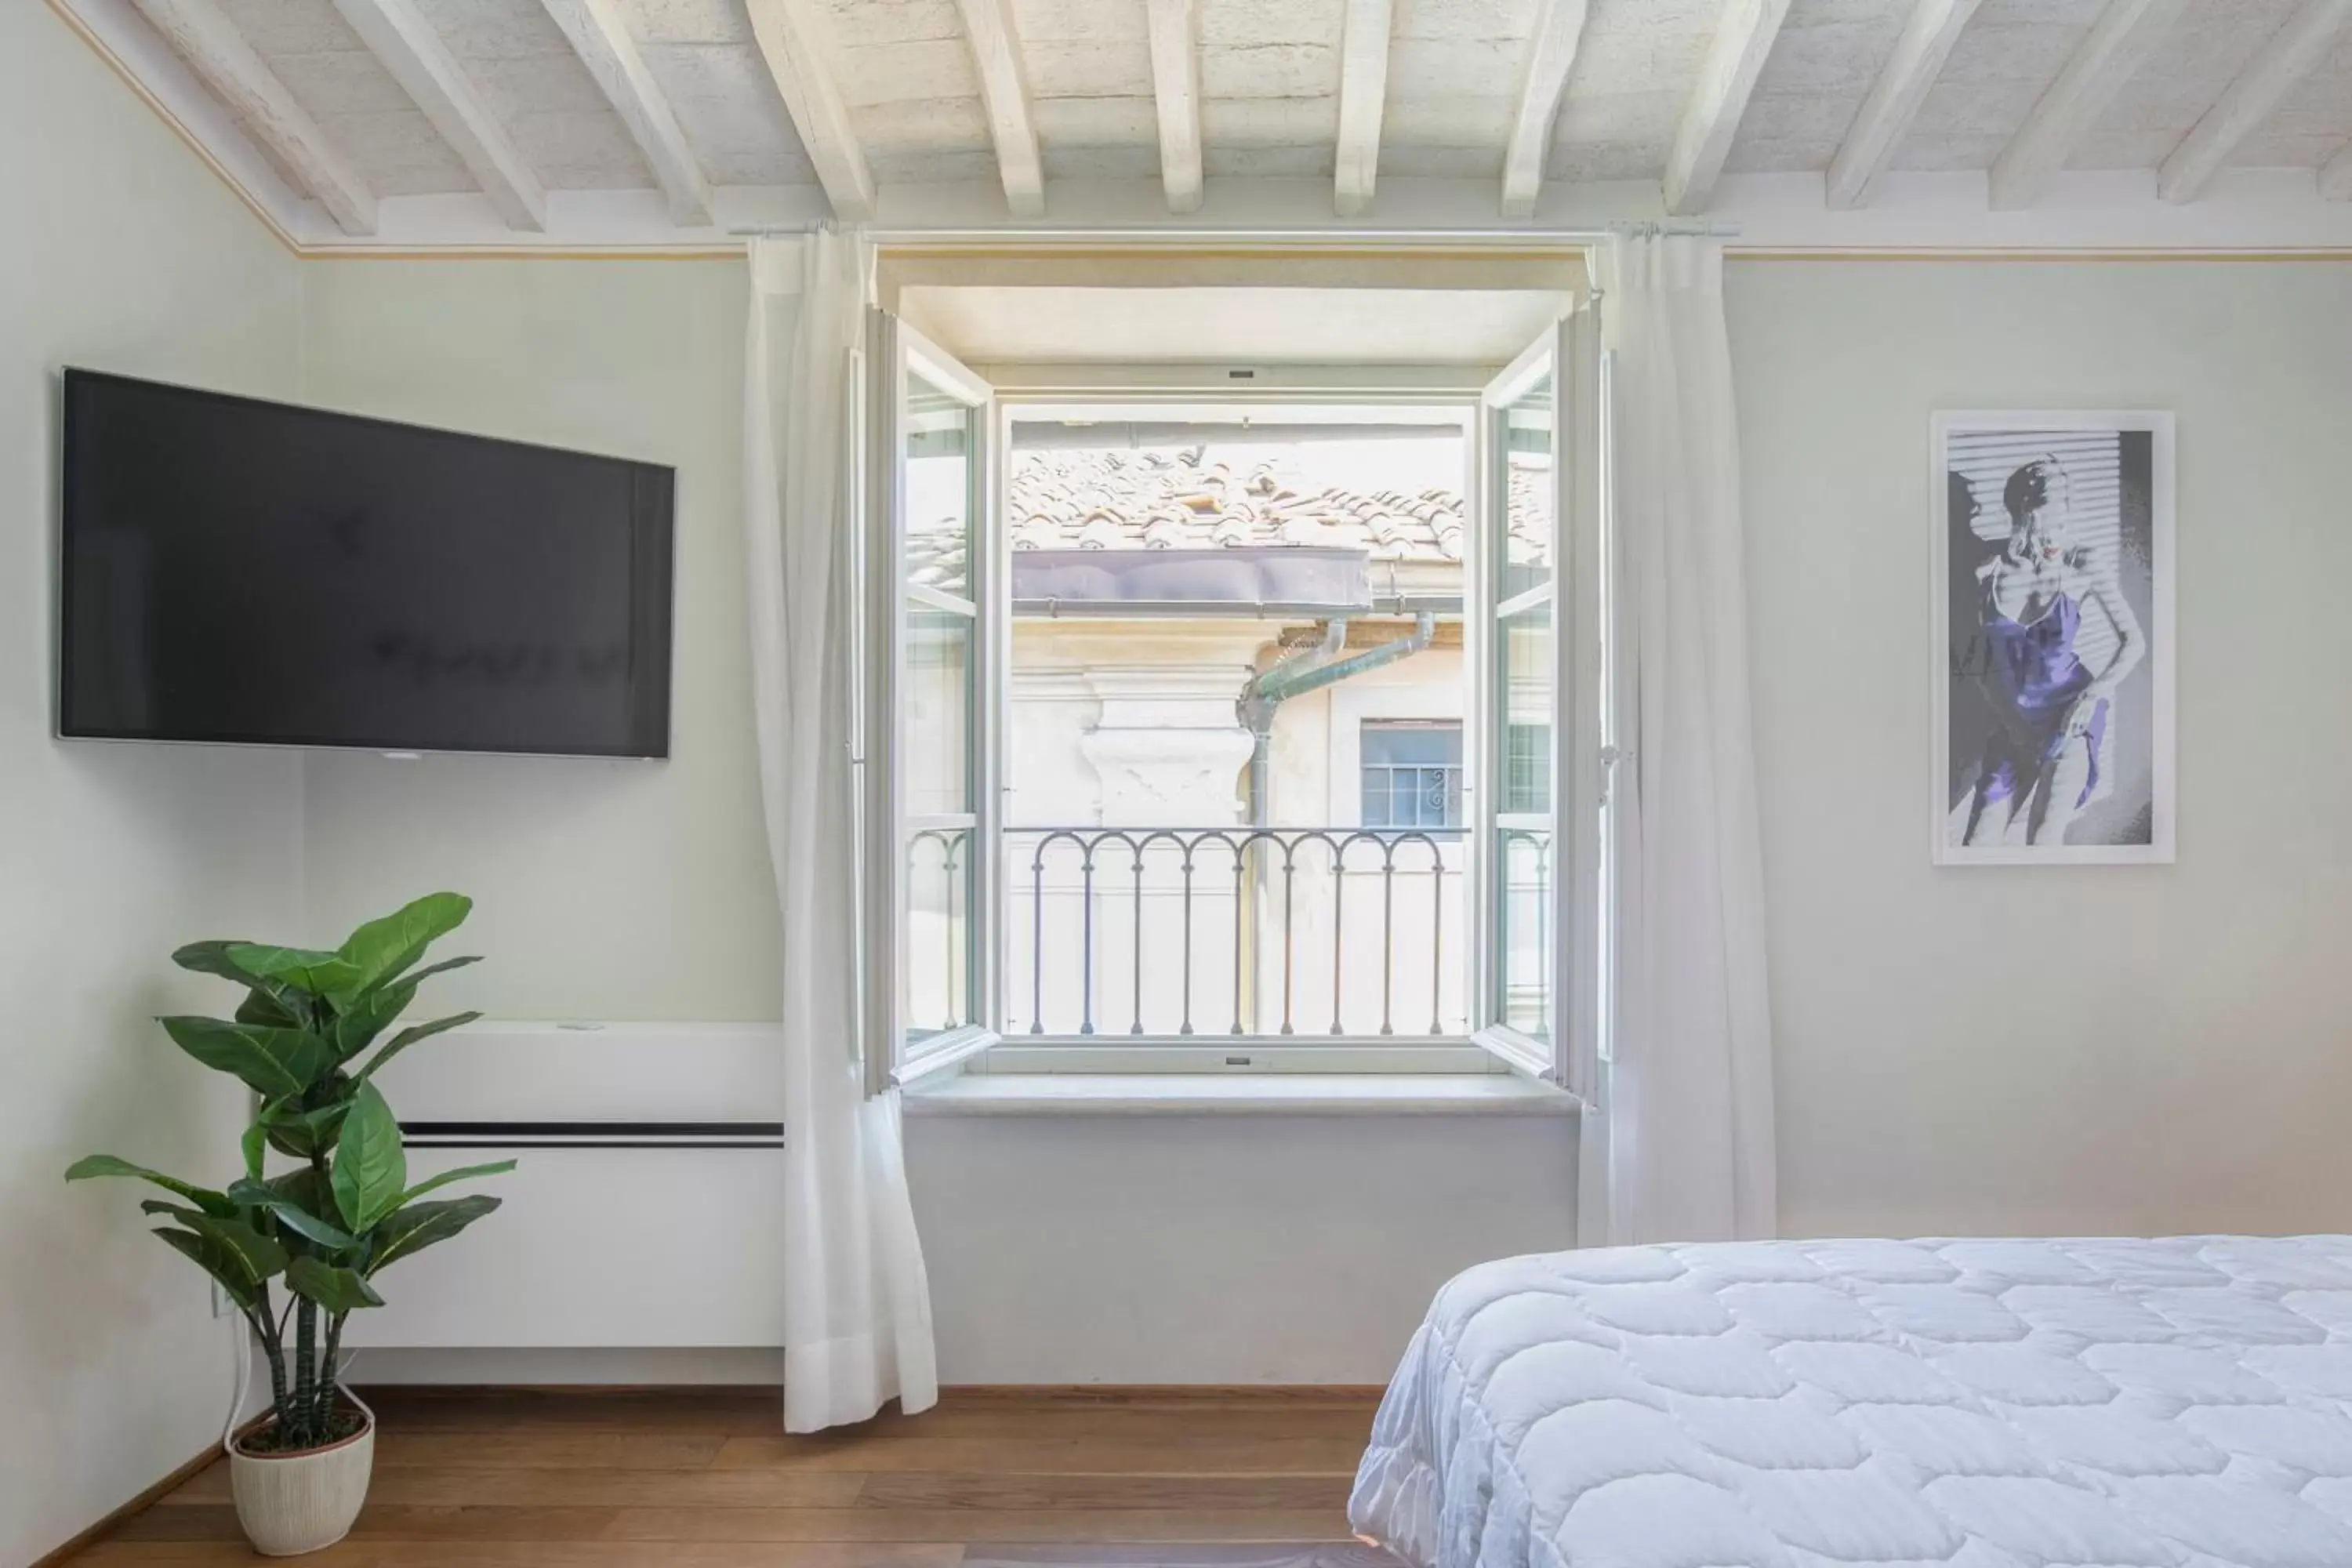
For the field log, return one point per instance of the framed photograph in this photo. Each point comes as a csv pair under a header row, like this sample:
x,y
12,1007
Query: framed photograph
x,y
2053,610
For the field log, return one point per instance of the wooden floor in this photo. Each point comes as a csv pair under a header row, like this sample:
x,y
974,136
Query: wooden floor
x,y
707,1479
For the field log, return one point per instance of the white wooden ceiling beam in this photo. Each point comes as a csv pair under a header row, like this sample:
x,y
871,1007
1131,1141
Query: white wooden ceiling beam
x,y
2126,33
1742,39
2292,53
405,43
1175,28
787,31
1935,25
198,30
1559,27
988,24
601,37
2335,177
1363,95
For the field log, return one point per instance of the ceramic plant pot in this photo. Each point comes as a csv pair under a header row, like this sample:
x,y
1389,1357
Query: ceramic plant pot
x,y
293,1503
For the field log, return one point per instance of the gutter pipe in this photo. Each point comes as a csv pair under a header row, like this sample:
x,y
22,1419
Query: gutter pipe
x,y
1303,673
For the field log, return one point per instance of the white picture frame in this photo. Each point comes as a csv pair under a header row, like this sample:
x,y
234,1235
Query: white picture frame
x,y
2049,549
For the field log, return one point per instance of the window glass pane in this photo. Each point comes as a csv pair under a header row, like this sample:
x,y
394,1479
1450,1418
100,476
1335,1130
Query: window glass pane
x,y
939,874
1523,714
936,770
1524,696
1524,929
1412,773
1529,492
938,488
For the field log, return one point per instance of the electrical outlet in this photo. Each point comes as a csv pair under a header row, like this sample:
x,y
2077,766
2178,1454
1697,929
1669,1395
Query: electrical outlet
x,y
222,1305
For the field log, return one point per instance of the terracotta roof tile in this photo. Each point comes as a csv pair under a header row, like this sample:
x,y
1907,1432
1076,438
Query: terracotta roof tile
x,y
1080,497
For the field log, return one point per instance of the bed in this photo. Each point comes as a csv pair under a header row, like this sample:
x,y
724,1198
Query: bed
x,y
2182,1403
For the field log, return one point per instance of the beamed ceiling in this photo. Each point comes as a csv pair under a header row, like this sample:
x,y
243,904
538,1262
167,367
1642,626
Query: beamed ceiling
x,y
569,122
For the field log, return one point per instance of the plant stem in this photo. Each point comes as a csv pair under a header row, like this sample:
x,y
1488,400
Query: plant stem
x,y
305,1374
326,1412
266,1327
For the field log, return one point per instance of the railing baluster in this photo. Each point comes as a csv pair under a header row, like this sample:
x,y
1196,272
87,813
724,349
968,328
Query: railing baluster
x,y
1037,938
1289,948
1388,936
1137,1026
1086,946
1339,921
1186,1027
1436,939
1241,927
953,845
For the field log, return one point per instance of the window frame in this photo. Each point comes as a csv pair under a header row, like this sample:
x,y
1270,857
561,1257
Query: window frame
x,y
996,393
1585,702
896,353
1193,388
1454,794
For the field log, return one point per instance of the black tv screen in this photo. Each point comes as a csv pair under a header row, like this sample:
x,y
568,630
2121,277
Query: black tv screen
x,y
242,572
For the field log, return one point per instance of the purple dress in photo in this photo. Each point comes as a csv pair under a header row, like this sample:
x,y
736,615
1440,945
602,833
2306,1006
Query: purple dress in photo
x,y
2032,680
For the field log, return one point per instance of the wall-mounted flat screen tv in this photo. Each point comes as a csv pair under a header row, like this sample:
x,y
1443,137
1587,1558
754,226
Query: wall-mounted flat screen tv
x,y
241,572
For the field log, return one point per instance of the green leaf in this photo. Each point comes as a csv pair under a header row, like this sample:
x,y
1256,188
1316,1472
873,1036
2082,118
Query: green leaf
x,y
369,1168
293,1216
261,1255
211,958
229,1249
219,1261
384,948
410,1036
204,1198
312,1192
303,1133
465,1173
319,973
443,968
261,1006
254,1145
266,1000
273,1062
356,1028
413,1227
339,1290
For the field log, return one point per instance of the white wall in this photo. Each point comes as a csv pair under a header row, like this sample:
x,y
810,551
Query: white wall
x,y
1973,1049
1244,1251
112,1369
603,890
1217,1248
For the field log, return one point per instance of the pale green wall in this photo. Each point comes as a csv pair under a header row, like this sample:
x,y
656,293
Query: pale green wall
x,y
604,889
2054,1049
121,252
637,890
2094,1049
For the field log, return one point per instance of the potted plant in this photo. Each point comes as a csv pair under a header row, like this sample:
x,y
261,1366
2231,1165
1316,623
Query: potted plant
x,y
338,1212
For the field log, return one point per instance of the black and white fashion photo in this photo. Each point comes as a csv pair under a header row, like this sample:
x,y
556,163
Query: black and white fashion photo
x,y
2053,647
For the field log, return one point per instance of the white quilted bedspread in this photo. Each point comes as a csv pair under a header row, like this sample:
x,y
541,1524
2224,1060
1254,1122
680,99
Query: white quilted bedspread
x,y
2184,1403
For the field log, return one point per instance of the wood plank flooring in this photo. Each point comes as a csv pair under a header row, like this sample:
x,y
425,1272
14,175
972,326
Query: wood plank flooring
x,y
706,1479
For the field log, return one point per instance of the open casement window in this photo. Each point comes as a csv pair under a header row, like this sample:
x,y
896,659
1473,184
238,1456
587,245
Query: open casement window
x,y
1540,633
930,656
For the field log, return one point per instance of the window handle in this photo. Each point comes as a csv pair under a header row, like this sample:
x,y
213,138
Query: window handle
x,y
1610,756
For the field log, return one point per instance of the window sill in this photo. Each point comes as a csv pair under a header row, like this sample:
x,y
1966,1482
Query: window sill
x,y
1189,1094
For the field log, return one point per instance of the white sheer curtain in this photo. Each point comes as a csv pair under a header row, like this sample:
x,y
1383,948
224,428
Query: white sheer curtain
x,y
857,1309
1688,1103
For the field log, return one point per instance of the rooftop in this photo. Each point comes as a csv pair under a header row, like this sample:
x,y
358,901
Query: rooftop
x,y
1184,499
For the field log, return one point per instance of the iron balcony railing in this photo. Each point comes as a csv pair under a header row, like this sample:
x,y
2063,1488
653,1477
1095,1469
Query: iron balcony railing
x,y
1236,931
